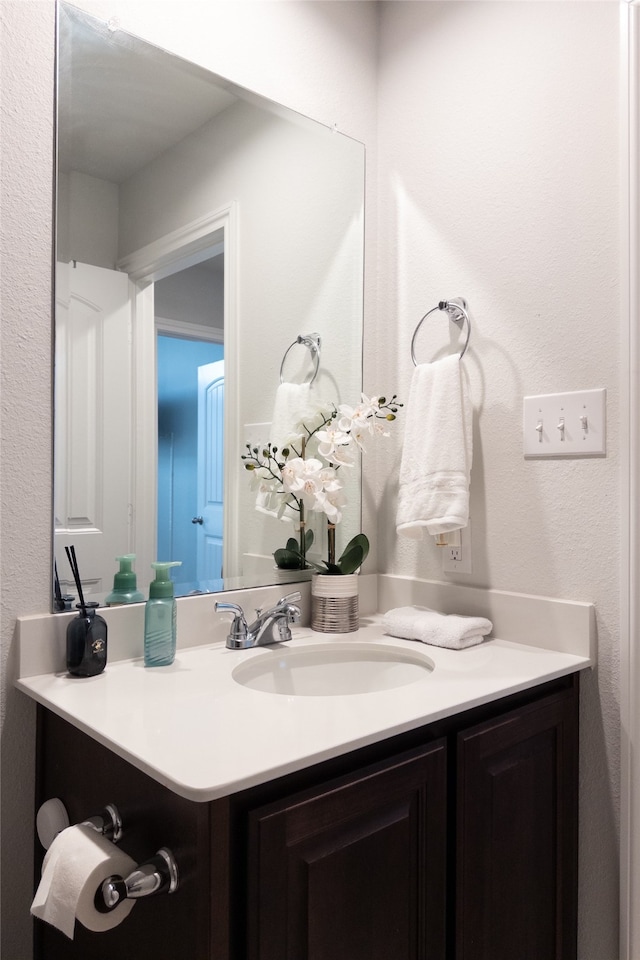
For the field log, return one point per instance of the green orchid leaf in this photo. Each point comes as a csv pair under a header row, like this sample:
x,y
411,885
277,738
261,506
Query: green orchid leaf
x,y
360,540
351,559
287,559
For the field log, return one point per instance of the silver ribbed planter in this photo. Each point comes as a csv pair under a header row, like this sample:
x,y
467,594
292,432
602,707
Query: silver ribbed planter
x,y
334,603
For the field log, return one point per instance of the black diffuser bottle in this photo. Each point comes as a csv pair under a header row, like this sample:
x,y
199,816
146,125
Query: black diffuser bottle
x,y
86,642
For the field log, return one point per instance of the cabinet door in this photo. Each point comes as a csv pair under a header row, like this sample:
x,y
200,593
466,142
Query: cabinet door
x,y
517,834
354,870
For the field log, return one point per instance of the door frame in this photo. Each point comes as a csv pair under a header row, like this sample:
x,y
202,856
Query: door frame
x,y
630,482
182,248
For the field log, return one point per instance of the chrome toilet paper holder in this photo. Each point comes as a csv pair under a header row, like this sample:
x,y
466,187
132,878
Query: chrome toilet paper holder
x,y
52,818
159,874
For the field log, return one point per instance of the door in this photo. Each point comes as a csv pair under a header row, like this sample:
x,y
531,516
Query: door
x,y
209,513
92,423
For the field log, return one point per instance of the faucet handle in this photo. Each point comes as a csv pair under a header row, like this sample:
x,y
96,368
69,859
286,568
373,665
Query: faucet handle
x,y
238,630
291,597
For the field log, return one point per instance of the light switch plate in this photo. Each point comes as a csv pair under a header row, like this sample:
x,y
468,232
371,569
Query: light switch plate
x,y
565,424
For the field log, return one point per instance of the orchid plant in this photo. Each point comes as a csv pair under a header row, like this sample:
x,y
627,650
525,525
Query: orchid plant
x,y
304,476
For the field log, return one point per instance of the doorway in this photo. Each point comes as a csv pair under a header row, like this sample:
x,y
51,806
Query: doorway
x,y
190,458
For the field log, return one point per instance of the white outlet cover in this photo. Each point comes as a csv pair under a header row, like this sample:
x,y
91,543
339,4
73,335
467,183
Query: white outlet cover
x,y
463,565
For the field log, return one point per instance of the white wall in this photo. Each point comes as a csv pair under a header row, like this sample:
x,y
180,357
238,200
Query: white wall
x,y
499,181
305,55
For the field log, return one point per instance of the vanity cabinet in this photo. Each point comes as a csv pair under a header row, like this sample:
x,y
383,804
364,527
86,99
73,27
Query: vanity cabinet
x,y
456,841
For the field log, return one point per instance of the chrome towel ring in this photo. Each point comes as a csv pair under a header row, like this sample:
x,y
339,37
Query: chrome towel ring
x,y
310,340
458,313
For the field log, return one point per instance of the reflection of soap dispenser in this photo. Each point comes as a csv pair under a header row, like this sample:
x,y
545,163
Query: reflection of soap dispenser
x,y
160,619
124,584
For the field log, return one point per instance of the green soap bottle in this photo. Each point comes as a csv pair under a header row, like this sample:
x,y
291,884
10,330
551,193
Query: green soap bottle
x,y
160,618
124,584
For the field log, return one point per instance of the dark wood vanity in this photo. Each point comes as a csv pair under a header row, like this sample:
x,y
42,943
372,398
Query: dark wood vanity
x,y
456,841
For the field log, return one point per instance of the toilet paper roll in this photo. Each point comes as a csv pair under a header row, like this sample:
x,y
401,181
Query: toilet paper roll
x,y
75,865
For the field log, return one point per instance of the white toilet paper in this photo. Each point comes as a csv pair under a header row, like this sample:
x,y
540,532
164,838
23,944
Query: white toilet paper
x,y
75,865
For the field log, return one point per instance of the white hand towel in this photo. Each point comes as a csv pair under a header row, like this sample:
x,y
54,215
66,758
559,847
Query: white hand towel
x,y
291,407
438,629
433,495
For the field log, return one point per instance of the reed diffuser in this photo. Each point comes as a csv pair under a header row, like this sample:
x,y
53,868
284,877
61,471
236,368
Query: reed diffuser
x,y
86,633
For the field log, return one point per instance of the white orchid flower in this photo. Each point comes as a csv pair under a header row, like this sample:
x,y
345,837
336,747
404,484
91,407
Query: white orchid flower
x,y
359,435
330,439
329,503
341,457
331,483
302,478
359,416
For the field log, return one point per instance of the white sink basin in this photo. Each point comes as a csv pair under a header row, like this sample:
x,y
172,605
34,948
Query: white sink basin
x,y
331,670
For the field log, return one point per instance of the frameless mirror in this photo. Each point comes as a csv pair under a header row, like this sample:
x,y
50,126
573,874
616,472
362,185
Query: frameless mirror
x,y
203,234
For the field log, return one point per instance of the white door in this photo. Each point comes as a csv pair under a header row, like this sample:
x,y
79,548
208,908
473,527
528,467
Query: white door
x,y
209,513
92,423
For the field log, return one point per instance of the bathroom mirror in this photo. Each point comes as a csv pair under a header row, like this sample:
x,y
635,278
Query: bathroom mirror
x,y
200,231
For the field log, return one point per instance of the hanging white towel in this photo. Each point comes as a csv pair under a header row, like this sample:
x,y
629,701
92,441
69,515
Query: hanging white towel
x,y
433,495
438,629
291,407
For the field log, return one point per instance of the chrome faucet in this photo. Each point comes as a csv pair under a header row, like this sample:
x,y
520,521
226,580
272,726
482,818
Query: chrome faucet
x,y
270,626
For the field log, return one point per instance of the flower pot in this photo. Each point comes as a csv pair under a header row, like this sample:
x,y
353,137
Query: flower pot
x,y
334,603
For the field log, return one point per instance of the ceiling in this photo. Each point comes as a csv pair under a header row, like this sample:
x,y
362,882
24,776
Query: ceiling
x,y
114,83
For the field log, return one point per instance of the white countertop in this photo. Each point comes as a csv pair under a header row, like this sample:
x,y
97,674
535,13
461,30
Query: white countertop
x,y
196,730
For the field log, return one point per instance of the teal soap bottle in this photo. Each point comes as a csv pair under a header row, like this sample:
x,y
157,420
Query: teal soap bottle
x,y
160,618
124,583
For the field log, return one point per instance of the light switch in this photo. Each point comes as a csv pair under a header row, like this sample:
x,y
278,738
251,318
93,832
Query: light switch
x,y
565,424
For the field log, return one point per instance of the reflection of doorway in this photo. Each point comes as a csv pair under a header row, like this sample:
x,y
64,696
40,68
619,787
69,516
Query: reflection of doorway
x,y
181,458
150,269
189,321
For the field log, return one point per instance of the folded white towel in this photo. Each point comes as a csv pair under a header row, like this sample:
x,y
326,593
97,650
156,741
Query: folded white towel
x,y
433,495
291,407
438,629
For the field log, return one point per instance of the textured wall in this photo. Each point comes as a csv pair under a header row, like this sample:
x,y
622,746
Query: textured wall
x,y
25,466
499,182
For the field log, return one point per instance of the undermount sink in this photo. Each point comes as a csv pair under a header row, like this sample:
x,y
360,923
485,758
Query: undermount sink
x,y
331,670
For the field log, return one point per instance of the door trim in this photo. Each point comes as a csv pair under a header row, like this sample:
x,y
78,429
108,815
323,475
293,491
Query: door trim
x,y
182,248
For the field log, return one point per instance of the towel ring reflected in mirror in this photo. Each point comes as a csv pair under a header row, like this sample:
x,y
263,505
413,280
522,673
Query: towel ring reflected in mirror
x,y
312,342
458,313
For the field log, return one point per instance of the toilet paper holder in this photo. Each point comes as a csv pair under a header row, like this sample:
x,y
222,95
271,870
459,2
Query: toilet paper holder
x,y
52,818
159,874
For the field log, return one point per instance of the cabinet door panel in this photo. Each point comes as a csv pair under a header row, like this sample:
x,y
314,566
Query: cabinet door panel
x,y
517,835
355,870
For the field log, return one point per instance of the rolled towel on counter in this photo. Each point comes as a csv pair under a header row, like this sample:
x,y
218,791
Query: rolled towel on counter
x,y
438,629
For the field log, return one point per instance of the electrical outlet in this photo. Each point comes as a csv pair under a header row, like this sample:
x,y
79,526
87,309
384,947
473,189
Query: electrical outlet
x,y
457,558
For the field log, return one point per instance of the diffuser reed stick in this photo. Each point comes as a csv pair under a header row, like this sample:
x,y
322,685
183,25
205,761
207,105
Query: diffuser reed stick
x,y
73,563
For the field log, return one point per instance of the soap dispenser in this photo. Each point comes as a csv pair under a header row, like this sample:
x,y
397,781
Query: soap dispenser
x,y
160,618
124,584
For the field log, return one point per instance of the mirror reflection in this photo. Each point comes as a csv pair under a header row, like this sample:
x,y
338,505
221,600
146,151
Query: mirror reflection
x,y
203,233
